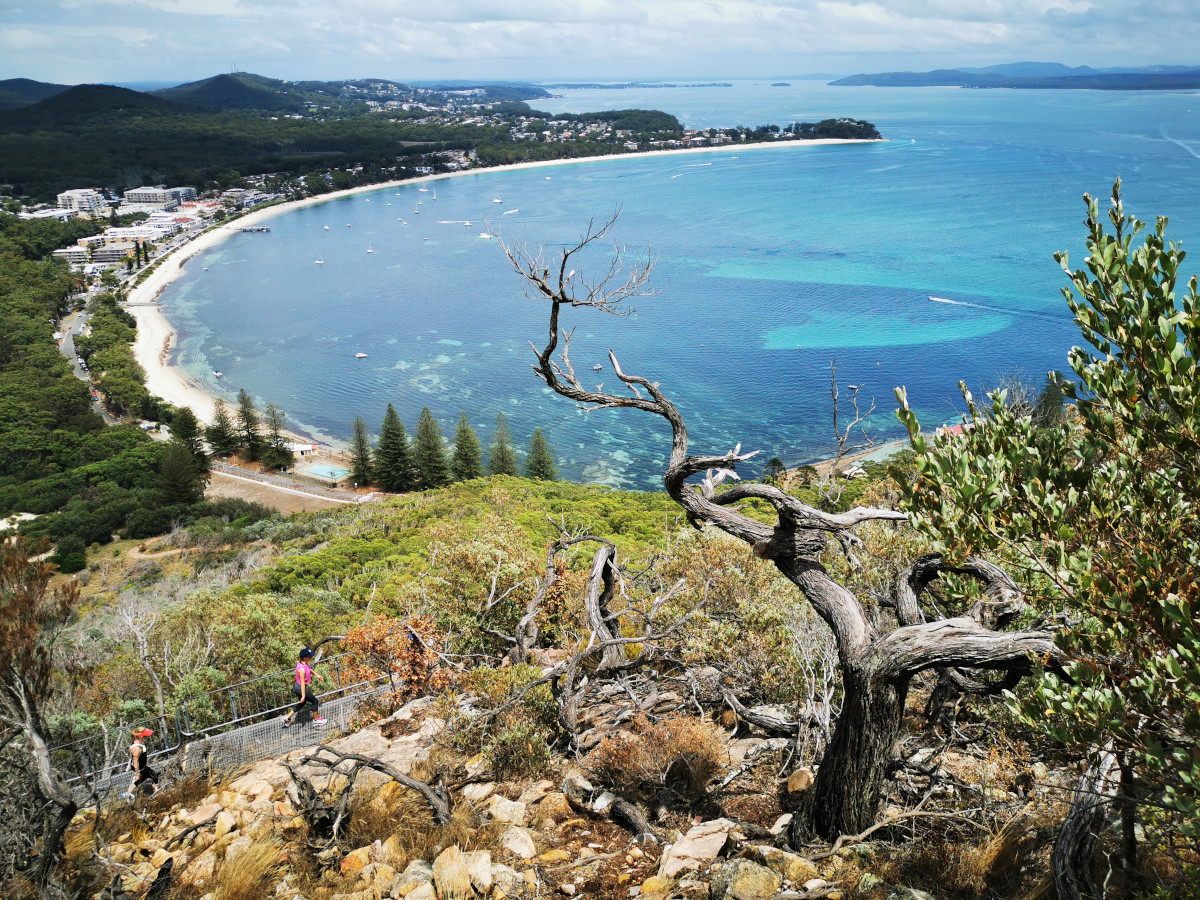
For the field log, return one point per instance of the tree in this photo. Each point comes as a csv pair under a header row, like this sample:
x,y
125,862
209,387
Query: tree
x,y
877,664
502,456
1101,514
275,454
30,613
774,470
178,478
429,453
467,462
361,465
222,436
539,464
393,456
185,428
247,417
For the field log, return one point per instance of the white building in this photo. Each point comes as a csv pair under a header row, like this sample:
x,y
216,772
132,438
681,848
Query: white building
x,y
112,253
84,200
75,256
157,196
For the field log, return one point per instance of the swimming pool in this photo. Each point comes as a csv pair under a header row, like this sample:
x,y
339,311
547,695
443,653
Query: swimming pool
x,y
325,470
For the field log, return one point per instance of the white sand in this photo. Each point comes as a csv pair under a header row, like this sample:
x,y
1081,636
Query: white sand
x,y
155,337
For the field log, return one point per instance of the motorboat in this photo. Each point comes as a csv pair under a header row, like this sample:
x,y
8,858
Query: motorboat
x,y
360,356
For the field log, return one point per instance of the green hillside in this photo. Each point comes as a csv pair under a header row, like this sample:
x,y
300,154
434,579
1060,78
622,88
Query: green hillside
x,y
16,92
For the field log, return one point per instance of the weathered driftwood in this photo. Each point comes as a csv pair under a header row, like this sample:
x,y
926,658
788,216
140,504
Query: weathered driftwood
x,y
435,796
877,666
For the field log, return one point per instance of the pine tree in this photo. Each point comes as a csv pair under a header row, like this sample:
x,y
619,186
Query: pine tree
x,y
185,428
429,453
177,476
502,456
275,454
393,457
540,462
221,435
247,417
468,453
360,455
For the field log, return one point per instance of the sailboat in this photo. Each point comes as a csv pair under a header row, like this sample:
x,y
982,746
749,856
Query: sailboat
x,y
434,194
369,250
319,261
326,227
497,200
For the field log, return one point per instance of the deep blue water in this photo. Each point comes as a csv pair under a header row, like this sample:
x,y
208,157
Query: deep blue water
x,y
771,264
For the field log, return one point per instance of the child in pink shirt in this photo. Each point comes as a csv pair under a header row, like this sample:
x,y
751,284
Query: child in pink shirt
x,y
303,690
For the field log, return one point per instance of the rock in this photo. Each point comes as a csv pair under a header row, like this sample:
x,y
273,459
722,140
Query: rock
x,y
226,822
816,884
603,802
691,888
519,842
909,894
656,884
781,824
238,846
508,880
578,788
800,781
380,876
203,813
451,875
477,793
475,765
511,812
536,792
355,861
557,855
555,806
792,866
200,870
743,879
567,888
479,865
869,883
423,892
700,846
417,874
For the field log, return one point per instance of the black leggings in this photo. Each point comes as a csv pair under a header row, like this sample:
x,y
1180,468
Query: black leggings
x,y
309,701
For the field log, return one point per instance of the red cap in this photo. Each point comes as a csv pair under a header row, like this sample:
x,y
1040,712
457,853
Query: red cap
x,y
143,732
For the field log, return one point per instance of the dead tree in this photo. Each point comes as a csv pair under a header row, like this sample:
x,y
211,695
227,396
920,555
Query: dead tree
x,y
876,666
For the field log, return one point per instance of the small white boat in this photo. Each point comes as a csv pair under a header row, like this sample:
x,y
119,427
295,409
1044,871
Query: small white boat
x,y
435,195
368,199
369,250
216,374
348,225
360,356
597,367
326,227
319,261
497,200
423,190
389,204
485,235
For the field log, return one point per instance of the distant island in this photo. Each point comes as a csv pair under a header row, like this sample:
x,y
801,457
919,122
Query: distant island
x,y
1038,76
623,85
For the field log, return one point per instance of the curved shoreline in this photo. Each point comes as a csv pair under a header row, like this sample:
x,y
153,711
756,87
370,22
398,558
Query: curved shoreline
x,y
156,336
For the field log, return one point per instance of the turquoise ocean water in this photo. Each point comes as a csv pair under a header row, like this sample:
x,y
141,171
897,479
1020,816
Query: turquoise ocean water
x,y
771,264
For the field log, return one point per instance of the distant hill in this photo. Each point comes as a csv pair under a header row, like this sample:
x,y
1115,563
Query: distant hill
x,y
84,105
17,92
1039,76
240,91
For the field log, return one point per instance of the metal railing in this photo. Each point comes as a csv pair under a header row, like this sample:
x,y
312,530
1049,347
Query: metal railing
x,y
100,759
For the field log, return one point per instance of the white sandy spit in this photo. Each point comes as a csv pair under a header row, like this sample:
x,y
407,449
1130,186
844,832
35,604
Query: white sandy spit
x,y
156,338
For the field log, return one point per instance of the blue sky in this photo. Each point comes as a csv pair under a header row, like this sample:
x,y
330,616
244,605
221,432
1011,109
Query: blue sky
x,y
73,41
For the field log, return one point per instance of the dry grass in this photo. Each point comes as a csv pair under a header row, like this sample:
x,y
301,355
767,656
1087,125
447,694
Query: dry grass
x,y
679,755
252,874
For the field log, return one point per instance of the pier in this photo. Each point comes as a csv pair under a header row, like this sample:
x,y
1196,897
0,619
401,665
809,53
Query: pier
x,y
253,228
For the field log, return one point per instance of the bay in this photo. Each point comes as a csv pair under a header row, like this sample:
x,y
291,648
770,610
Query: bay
x,y
771,264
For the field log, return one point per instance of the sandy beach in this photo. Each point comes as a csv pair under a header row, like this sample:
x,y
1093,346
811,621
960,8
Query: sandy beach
x,y
155,342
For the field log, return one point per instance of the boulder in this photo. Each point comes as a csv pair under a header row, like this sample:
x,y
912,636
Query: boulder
x,y
743,879
909,894
869,883
203,813
200,870
423,892
519,842
380,876
578,788
451,876
507,879
226,822
510,812
656,884
700,846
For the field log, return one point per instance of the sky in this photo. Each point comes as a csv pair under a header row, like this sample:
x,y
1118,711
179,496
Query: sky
x,y
78,41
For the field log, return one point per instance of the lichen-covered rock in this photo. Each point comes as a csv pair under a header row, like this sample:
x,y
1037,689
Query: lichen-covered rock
x,y
536,792
507,879
745,879
451,876
479,865
200,870
792,866
418,873
355,861
477,793
226,822
555,806
906,893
